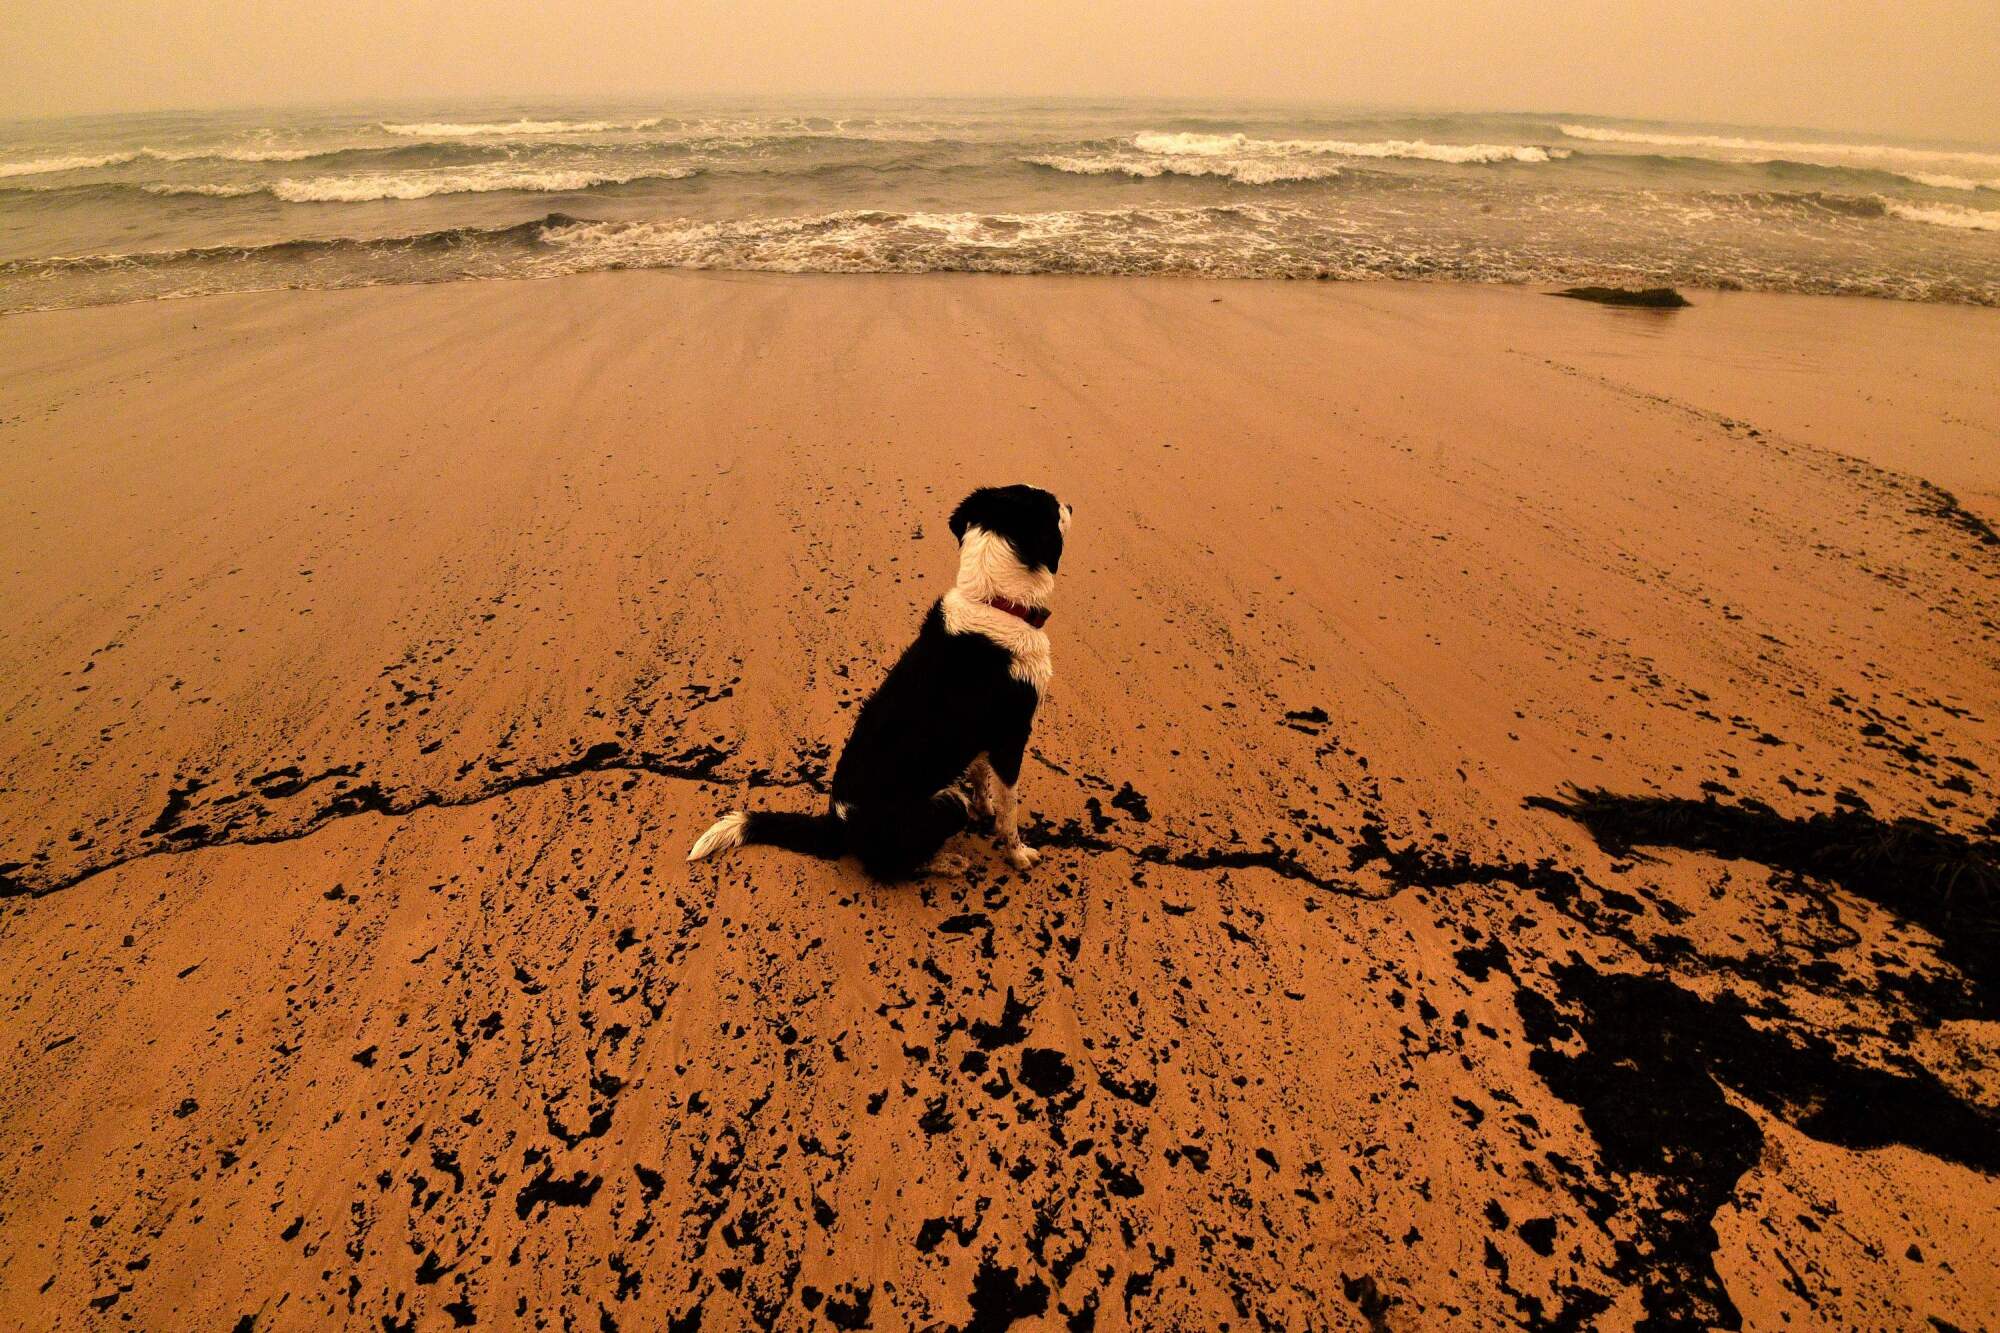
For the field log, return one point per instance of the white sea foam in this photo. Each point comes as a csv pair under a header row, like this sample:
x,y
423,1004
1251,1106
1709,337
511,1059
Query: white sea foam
x,y
44,165
371,186
445,129
1947,215
1847,152
1242,145
1204,145
867,241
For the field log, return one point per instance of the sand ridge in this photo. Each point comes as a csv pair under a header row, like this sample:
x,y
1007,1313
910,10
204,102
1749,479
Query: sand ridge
x,y
372,657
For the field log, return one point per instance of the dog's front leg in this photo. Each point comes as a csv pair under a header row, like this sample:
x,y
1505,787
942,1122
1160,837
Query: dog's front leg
x,y
1019,854
1004,756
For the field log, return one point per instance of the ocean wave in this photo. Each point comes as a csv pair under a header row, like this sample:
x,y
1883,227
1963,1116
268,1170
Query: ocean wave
x,y
204,190
1854,173
82,162
1874,206
1242,170
431,152
1780,147
369,187
1861,173
1819,201
445,129
42,166
1241,145
515,236
1947,215
1943,182
223,154
424,184
1249,161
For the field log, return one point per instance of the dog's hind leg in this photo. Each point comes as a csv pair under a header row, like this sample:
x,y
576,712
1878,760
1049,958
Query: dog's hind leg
x,y
896,842
981,782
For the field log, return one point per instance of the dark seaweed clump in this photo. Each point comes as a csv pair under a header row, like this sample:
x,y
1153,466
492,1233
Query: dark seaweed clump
x,y
1945,882
1940,504
1649,298
1648,1081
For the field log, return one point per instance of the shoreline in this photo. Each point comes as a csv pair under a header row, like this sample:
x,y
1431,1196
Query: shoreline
x,y
1548,286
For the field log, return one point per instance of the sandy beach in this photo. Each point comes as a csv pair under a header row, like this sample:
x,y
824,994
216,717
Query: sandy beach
x,y
369,659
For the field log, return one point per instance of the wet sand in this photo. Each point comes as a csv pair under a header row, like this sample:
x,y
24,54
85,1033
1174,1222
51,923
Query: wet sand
x,y
371,658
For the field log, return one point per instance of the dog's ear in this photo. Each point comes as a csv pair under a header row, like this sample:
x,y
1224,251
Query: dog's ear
x,y
972,510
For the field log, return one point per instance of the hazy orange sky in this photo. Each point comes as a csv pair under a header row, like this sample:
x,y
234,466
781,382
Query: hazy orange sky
x,y
1903,66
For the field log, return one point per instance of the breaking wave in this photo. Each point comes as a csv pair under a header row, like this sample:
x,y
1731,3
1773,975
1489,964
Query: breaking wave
x,y
1820,201
446,129
1780,147
1856,175
1872,206
1250,161
228,154
205,190
52,165
1244,171
1237,145
424,184
45,165
1938,181
444,239
1947,215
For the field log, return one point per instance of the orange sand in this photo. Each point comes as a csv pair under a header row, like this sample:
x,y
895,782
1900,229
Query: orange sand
x,y
349,985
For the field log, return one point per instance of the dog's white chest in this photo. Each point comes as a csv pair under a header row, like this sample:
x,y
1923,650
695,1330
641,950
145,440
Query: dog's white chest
x,y
1027,646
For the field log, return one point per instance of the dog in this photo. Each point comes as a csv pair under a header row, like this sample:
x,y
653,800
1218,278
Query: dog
x,y
956,707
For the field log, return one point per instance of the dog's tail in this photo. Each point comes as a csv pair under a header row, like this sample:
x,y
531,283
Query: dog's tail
x,y
820,835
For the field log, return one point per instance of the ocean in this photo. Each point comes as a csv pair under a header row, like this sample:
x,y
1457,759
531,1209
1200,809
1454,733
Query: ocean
x,y
124,208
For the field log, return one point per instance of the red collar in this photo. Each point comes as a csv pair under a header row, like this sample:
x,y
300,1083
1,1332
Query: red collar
x,y
1036,616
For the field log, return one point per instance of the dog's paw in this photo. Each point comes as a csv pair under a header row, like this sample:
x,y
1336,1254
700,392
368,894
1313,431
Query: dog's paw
x,y
1021,857
948,863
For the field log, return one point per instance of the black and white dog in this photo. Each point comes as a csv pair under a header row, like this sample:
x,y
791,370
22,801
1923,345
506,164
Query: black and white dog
x,y
957,706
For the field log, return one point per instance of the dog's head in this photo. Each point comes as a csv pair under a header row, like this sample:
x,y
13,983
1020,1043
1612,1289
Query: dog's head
x,y
1030,520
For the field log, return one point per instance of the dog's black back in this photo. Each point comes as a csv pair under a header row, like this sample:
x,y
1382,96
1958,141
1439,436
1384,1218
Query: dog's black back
x,y
949,699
